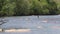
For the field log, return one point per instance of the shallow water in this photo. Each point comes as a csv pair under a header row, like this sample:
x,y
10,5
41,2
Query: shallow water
x,y
41,25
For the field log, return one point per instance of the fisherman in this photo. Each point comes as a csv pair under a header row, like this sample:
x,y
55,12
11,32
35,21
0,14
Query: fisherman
x,y
38,16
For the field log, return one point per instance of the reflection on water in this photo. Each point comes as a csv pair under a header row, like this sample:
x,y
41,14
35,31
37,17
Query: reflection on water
x,y
41,25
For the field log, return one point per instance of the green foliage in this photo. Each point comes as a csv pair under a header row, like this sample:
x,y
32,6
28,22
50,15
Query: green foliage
x,y
52,7
28,7
22,7
7,8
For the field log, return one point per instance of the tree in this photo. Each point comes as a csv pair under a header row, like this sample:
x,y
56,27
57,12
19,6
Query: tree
x,y
22,7
28,7
52,7
1,5
39,7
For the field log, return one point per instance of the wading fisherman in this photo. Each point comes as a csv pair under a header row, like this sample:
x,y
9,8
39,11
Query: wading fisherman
x,y
38,16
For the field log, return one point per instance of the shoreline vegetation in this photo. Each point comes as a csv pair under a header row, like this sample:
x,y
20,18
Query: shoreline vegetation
x,y
28,7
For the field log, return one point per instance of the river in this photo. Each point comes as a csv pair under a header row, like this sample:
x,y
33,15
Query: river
x,y
41,25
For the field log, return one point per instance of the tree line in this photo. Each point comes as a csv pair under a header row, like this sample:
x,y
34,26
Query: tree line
x,y
28,7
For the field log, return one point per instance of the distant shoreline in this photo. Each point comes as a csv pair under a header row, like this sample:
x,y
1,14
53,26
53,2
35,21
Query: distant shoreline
x,y
30,15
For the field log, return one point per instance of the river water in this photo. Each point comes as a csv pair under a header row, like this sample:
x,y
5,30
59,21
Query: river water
x,y
41,25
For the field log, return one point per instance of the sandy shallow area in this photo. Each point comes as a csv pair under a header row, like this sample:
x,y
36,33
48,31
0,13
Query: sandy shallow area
x,y
18,30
